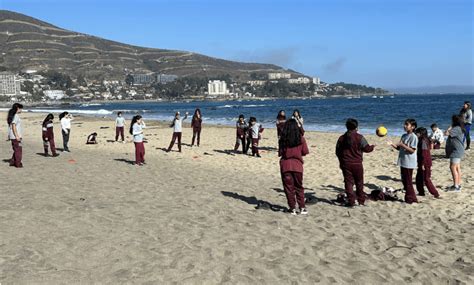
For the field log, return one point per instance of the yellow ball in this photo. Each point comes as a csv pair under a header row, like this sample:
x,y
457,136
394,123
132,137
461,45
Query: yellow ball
x,y
381,131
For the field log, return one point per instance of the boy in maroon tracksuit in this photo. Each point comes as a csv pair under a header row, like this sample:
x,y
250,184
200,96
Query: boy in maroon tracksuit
x,y
423,175
48,135
349,150
292,149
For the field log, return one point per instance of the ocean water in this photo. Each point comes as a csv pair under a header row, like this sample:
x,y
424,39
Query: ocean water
x,y
328,115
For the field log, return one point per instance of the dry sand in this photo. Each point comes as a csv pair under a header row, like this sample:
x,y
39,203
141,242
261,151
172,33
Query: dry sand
x,y
90,216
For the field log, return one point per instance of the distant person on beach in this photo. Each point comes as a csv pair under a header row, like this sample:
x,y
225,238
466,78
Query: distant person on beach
x,y
280,122
407,158
293,148
455,150
436,137
15,134
119,127
65,119
299,119
196,124
423,175
241,133
48,135
92,139
177,130
255,130
349,150
466,113
136,130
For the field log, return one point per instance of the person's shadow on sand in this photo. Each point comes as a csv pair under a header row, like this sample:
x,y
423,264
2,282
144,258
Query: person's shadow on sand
x,y
125,160
309,197
225,151
259,204
387,178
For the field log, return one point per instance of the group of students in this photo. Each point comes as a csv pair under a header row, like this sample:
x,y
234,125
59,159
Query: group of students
x,y
414,149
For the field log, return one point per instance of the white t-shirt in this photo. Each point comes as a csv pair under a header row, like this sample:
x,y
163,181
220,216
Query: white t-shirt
x,y
17,122
119,122
137,131
65,123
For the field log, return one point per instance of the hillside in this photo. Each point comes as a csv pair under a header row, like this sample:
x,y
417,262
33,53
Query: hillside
x,y
28,43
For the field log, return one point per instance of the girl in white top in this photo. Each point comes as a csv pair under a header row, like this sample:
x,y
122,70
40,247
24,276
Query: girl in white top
x,y
177,126
136,130
65,119
15,134
299,119
119,126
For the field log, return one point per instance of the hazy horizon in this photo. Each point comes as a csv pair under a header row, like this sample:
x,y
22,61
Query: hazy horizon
x,y
394,44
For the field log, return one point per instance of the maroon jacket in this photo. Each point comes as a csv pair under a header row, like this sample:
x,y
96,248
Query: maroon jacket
x,y
292,157
196,123
423,153
48,130
352,153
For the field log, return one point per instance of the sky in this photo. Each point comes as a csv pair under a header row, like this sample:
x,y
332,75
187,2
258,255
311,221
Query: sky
x,y
389,44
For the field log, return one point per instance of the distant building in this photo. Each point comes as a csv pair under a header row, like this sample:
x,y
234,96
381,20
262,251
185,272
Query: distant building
x,y
316,80
142,79
9,84
299,80
165,78
256,82
54,94
217,88
279,75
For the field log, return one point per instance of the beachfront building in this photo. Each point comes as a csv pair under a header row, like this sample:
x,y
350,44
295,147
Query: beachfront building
x,y
9,84
54,94
316,80
279,75
256,82
299,80
142,79
165,78
217,88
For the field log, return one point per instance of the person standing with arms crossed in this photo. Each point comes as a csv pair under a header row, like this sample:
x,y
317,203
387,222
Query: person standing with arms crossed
x,y
119,127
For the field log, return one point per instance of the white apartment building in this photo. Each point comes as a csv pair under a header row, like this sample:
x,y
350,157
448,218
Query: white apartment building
x,y
165,78
316,80
140,79
217,87
279,75
299,80
9,84
54,94
256,82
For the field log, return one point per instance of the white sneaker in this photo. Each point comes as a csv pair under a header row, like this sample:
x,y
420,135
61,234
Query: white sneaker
x,y
293,212
303,211
457,188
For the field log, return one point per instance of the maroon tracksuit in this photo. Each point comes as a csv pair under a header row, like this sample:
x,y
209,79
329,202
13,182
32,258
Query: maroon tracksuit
x,y
196,125
241,136
119,131
176,135
291,169
17,154
423,175
139,153
349,150
48,138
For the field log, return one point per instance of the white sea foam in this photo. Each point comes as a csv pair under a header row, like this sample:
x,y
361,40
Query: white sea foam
x,y
72,111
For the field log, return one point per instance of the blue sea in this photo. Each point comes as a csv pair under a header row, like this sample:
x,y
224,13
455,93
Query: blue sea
x,y
326,115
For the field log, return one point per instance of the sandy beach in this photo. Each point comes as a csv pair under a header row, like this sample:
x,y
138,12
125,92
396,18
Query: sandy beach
x,y
91,216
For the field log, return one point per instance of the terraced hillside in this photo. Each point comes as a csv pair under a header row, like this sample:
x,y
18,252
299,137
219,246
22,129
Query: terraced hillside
x,y
28,43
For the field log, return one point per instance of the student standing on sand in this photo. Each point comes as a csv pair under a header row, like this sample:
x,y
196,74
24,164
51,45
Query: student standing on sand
x,y
299,119
48,135
119,127
65,119
407,159
177,126
293,148
280,122
241,132
136,130
466,113
196,123
349,150
15,134
455,150
255,130
423,175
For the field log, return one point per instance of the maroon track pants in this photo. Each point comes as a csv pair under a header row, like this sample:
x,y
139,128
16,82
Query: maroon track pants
x,y
423,177
196,134
139,152
118,131
354,174
17,154
254,146
49,144
176,135
407,180
293,186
